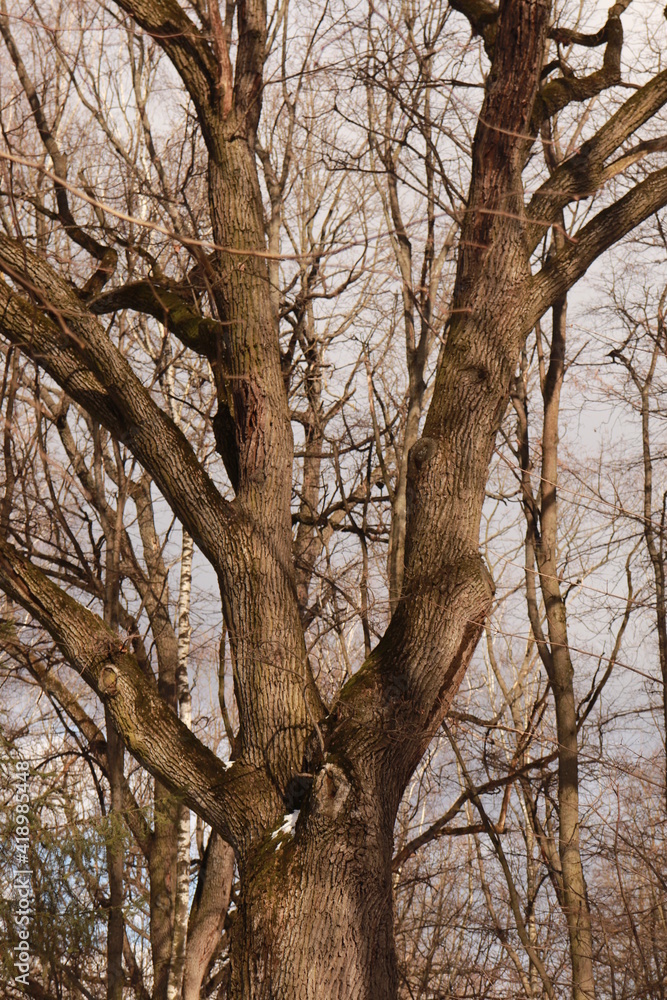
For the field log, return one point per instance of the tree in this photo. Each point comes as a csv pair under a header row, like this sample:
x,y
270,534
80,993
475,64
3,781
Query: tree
x,y
644,335
315,914
184,939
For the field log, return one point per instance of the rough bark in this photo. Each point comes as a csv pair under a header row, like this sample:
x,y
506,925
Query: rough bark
x,y
115,849
344,771
388,712
207,914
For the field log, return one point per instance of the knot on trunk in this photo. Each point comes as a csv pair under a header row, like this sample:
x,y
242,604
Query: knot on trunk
x,y
420,461
331,790
108,682
421,453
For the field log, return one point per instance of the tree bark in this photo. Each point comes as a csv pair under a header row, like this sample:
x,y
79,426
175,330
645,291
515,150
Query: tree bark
x,y
207,914
654,538
182,893
542,546
315,909
316,914
115,848
388,712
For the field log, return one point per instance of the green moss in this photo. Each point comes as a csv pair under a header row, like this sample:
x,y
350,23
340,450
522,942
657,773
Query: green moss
x,y
365,676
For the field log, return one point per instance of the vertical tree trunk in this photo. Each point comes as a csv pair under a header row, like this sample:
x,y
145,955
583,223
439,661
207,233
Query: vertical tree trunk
x,y
316,914
541,544
577,910
115,850
182,893
115,846
654,539
207,915
163,882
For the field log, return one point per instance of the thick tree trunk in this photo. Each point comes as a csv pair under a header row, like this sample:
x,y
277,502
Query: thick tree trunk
x,y
276,696
315,912
316,915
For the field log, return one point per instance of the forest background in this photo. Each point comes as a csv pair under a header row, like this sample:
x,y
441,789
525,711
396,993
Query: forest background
x,y
528,853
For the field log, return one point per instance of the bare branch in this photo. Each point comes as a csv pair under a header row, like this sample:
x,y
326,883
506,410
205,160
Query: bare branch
x,y
151,731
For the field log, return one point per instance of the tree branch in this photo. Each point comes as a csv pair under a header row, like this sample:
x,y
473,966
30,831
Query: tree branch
x,y
106,256
97,744
557,94
609,226
156,298
440,828
74,349
250,63
483,18
581,175
151,731
168,24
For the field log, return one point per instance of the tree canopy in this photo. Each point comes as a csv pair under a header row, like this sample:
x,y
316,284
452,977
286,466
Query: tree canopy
x,y
295,413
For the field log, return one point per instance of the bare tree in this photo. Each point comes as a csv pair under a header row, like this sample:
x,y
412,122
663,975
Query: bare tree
x,y
641,352
309,797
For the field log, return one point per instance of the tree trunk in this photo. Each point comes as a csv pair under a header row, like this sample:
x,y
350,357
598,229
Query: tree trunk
x,y
162,867
115,848
315,911
654,538
542,545
561,675
182,893
316,914
207,915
